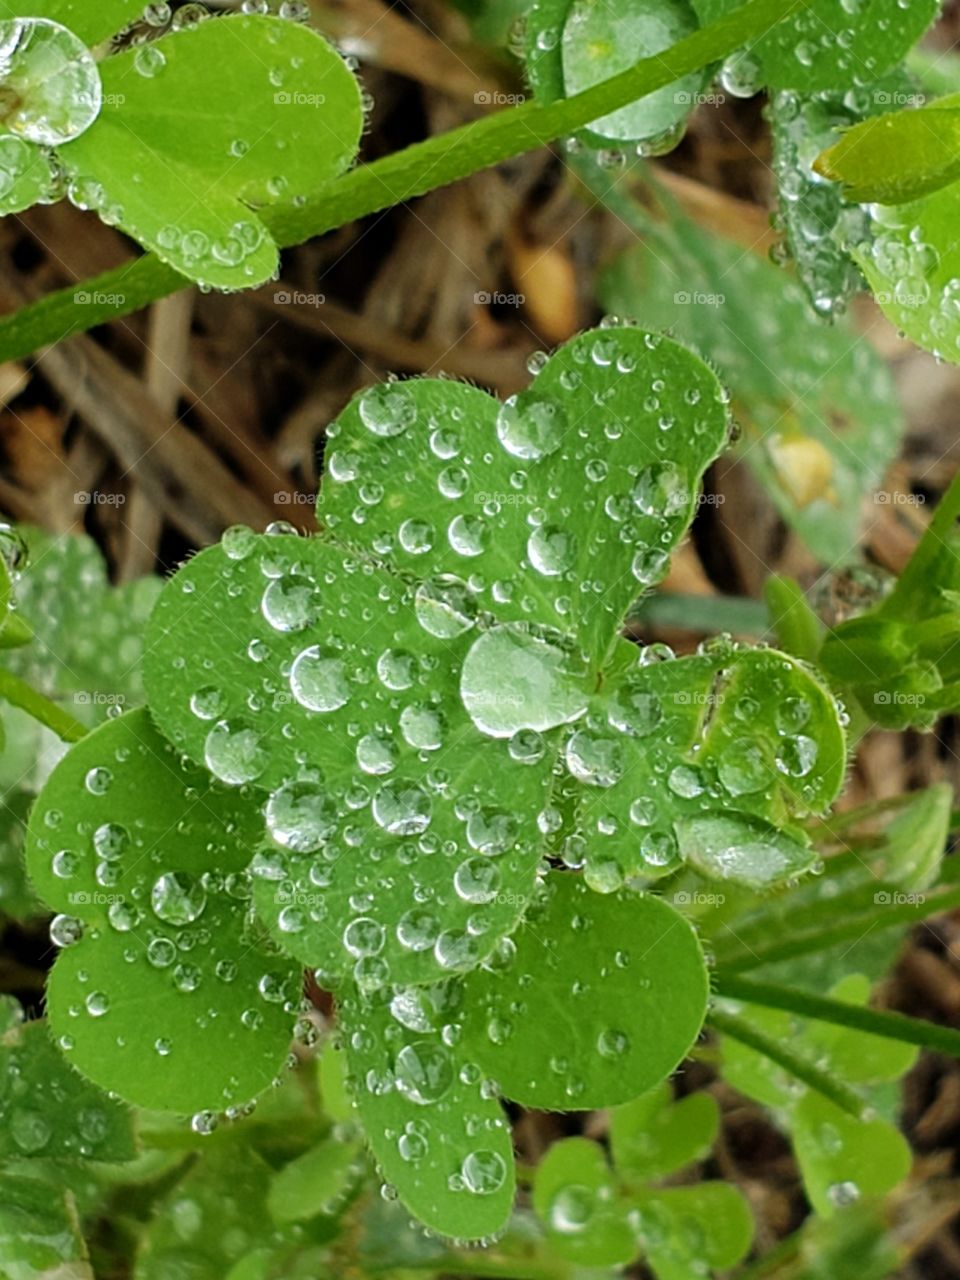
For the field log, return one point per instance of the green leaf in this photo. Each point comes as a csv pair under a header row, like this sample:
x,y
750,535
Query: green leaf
x,y
842,1159
653,1136
435,1128
897,157
367,781
17,899
576,1198
716,750
901,656
27,175
911,261
39,1231
622,973
318,1182
745,850
824,45
50,1110
916,839
572,45
86,647
686,1230
812,213
211,1220
586,480
821,422
857,1056
334,1094
798,629
280,116
147,853
91,22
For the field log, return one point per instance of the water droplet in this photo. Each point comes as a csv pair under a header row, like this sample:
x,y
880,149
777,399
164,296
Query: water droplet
x,y
318,679
234,752
291,603
532,429
444,607
513,679
424,1071
51,84
387,409
300,816
178,898
595,760
483,1172
402,808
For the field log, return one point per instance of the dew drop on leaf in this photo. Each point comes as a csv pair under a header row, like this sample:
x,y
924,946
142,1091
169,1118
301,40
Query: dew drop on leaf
x,y
318,679
513,679
177,898
51,86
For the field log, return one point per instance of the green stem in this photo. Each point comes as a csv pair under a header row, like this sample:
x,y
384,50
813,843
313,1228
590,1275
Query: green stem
x,y
416,170
19,694
877,1022
821,1081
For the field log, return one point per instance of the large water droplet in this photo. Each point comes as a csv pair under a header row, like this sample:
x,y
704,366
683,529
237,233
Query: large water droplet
x,y
514,679
300,816
234,752
444,607
178,898
318,679
424,1071
402,808
51,90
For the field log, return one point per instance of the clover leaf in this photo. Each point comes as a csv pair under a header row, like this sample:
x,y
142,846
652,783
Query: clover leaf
x,y
143,856
572,45
280,116
364,695
49,1109
597,1214
433,1122
376,683
829,44
841,1156
91,22
601,964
